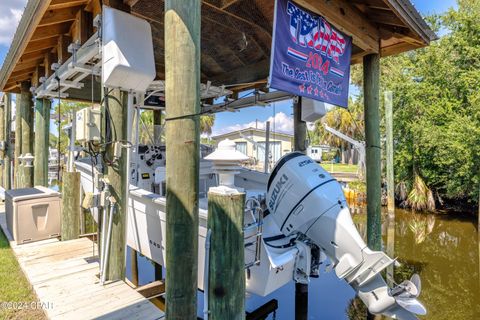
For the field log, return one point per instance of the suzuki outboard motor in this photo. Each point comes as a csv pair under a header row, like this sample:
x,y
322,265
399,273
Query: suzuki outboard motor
x,y
304,199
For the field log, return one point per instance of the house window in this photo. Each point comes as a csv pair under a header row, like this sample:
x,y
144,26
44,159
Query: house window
x,y
275,151
242,147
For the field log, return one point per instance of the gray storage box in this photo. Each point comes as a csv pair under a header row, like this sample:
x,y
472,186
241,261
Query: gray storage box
x,y
33,214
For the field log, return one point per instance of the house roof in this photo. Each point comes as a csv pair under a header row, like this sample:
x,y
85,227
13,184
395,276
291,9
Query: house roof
x,y
236,35
253,130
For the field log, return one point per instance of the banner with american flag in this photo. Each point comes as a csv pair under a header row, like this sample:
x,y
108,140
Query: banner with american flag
x,y
310,57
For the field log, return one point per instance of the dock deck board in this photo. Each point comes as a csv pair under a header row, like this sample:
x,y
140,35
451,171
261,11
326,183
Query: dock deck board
x,y
63,275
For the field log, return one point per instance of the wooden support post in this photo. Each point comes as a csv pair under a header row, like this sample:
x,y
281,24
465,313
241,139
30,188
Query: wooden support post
x,y
300,137
226,273
70,205
371,76
2,138
299,127
83,26
26,106
118,109
47,62
134,266
182,89
8,143
42,137
62,48
18,142
157,122
389,155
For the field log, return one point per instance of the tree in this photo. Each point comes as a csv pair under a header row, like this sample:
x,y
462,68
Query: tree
x,y
349,122
437,107
66,109
206,124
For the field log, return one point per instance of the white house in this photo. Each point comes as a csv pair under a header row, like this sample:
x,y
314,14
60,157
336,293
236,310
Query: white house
x,y
251,142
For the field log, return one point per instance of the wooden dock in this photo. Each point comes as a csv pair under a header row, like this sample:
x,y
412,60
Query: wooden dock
x,y
64,278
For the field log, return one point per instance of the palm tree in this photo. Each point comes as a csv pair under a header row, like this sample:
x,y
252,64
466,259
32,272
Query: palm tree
x,y
206,123
349,122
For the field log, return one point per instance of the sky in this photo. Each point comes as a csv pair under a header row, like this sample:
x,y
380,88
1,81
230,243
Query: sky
x,y
279,114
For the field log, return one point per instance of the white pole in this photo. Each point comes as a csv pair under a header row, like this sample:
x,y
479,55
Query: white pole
x,y
267,147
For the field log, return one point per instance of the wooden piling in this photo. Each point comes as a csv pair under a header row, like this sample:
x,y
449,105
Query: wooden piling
x,y
8,142
300,138
371,76
226,272
26,106
2,138
18,142
117,177
134,266
70,205
182,89
42,136
389,153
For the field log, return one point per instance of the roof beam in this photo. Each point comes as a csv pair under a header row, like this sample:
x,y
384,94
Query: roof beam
x,y
405,10
247,74
396,48
377,4
130,3
59,16
62,4
27,65
385,17
31,56
228,3
50,31
34,46
348,19
10,87
400,34
24,77
20,73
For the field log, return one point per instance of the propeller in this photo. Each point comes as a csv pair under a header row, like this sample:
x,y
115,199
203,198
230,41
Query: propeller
x,y
406,294
415,279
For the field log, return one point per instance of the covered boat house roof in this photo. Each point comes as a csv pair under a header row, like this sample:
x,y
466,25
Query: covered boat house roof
x,y
236,35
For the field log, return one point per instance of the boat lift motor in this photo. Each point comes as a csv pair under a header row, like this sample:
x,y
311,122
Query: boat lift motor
x,y
305,200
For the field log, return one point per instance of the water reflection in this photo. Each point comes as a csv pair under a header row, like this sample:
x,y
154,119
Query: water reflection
x,y
443,250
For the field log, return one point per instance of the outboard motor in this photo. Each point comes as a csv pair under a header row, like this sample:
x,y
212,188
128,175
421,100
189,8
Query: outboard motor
x,y
304,199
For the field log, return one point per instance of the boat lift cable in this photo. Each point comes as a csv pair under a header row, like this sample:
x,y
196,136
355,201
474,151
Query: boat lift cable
x,y
205,112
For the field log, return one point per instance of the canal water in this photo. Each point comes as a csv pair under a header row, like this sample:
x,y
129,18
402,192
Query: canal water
x,y
443,249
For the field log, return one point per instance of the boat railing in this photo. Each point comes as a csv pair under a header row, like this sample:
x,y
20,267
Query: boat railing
x,y
253,229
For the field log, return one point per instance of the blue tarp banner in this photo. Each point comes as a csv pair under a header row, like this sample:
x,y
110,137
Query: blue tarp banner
x,y
310,57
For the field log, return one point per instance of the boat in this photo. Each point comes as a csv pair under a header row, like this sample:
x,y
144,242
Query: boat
x,y
295,218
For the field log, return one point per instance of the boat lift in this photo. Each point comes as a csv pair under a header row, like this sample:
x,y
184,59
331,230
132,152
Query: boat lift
x,y
357,145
